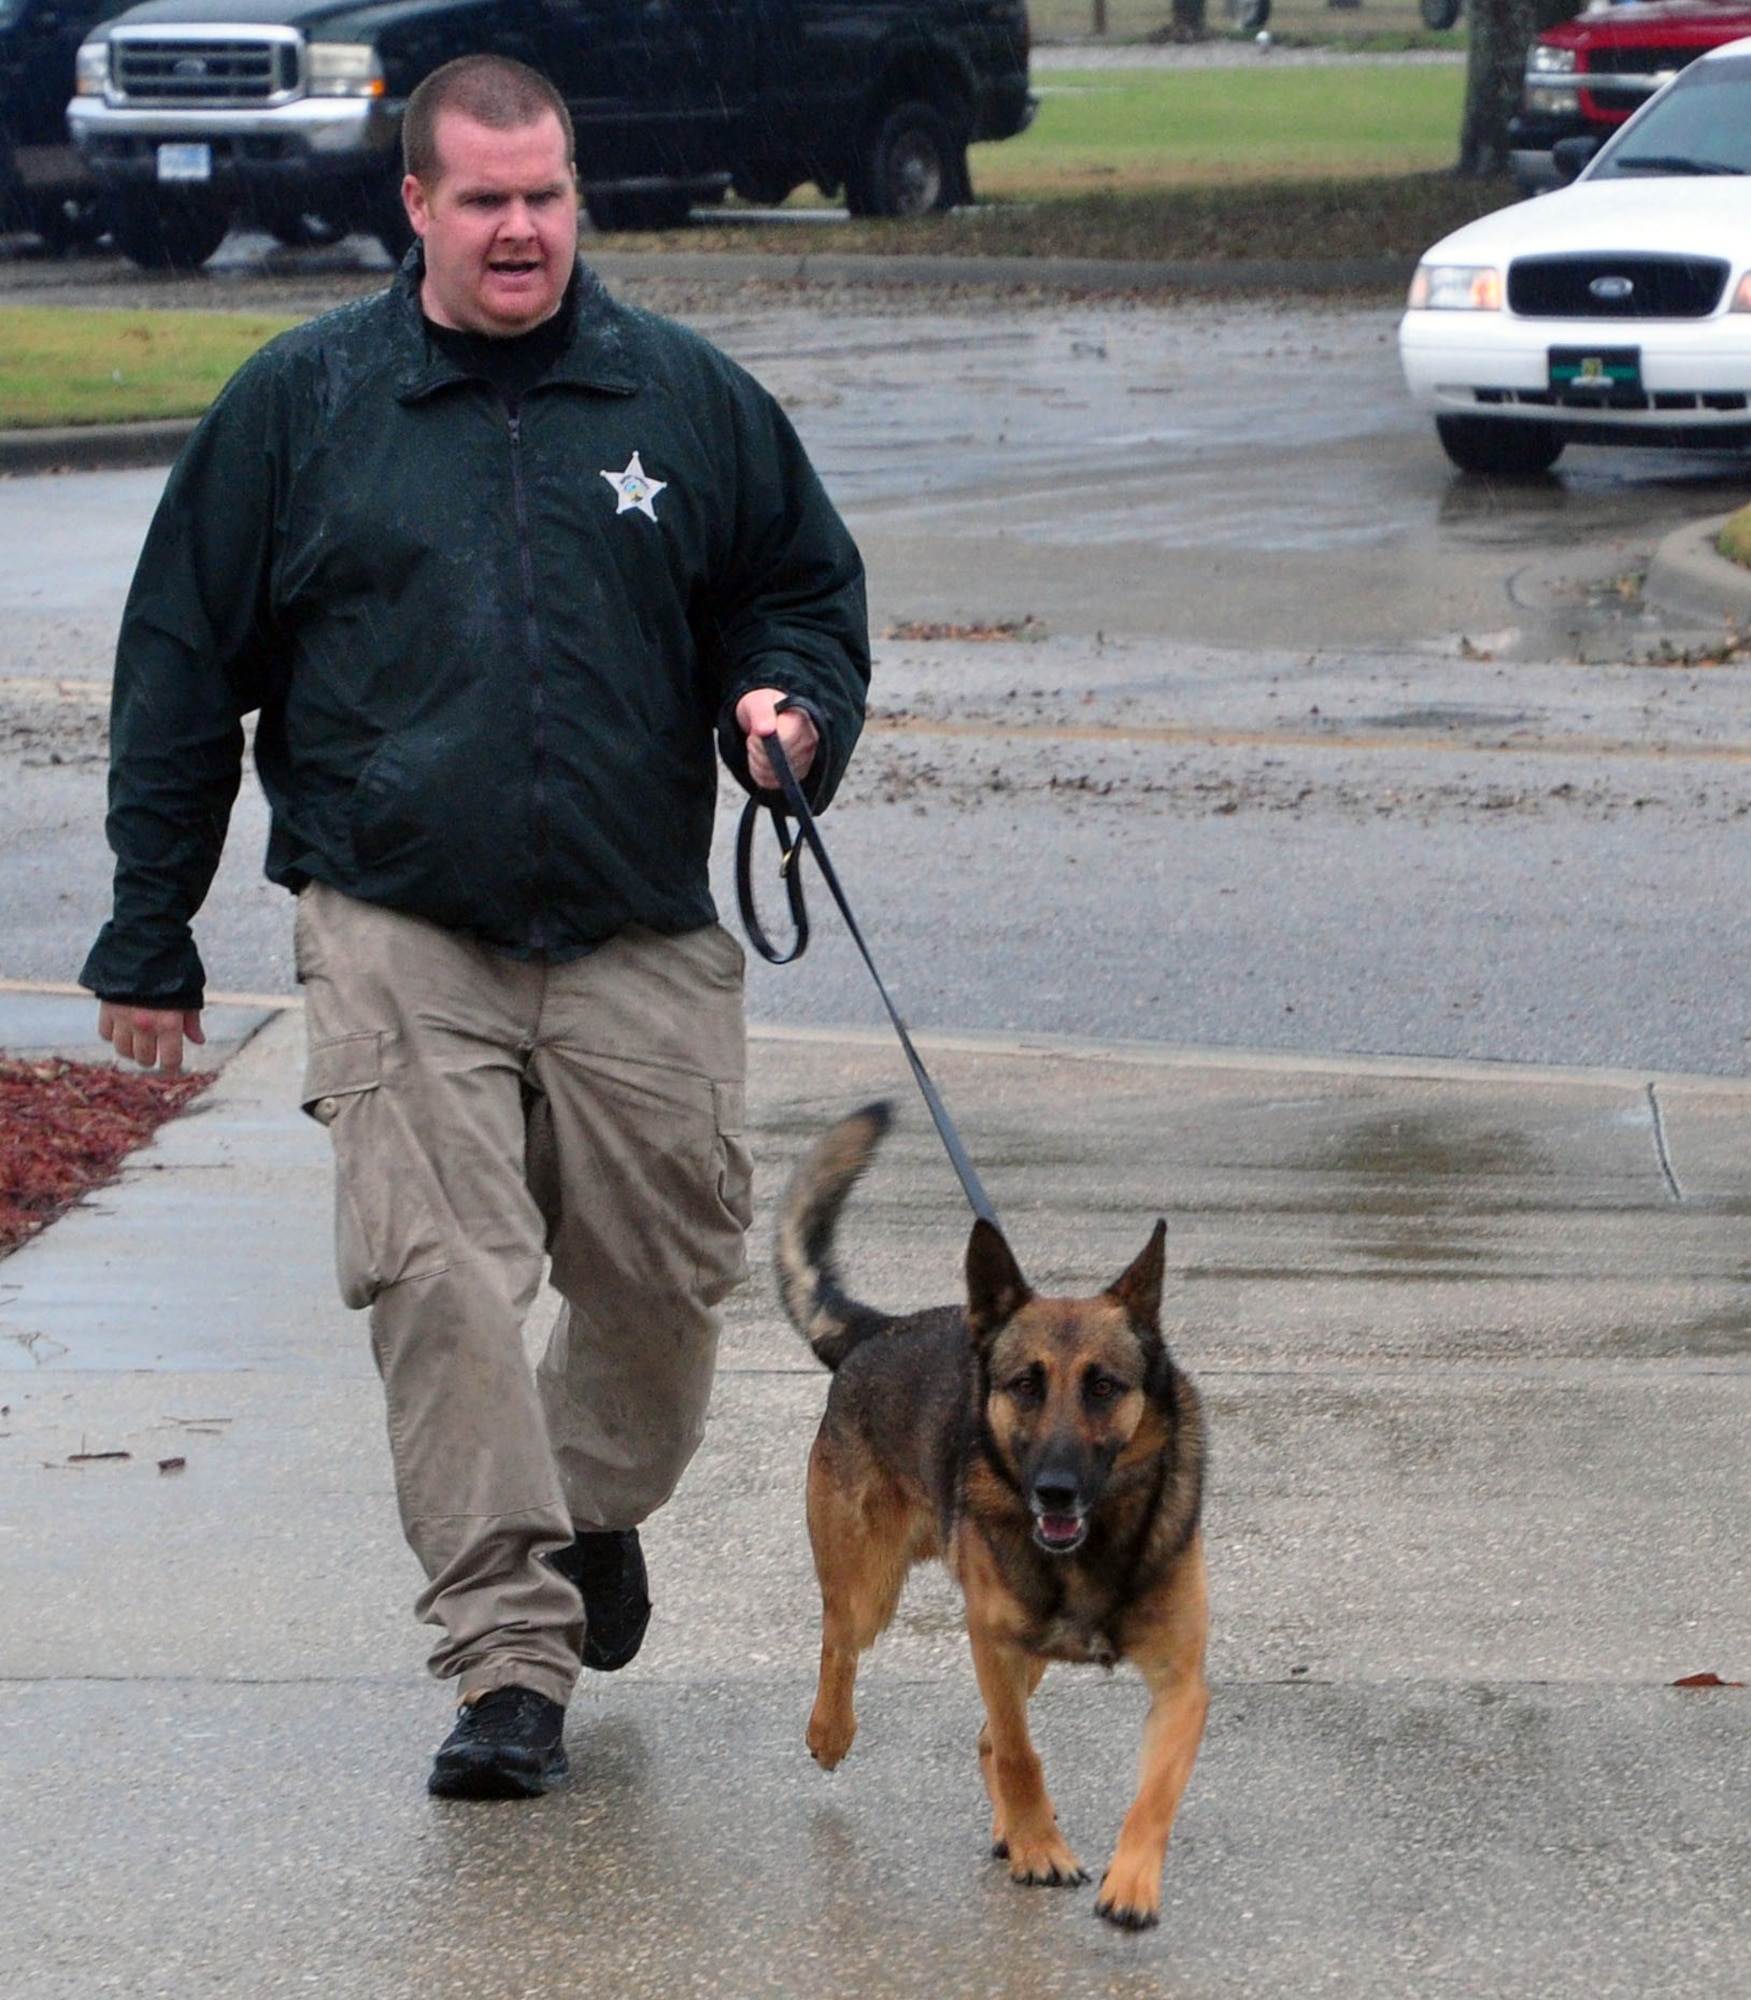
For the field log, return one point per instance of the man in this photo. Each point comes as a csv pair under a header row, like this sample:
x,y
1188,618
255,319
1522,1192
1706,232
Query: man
x,y
493,558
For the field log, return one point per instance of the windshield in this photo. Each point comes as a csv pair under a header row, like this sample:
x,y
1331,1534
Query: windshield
x,y
1702,125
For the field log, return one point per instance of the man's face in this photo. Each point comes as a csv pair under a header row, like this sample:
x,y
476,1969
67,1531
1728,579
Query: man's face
x,y
499,224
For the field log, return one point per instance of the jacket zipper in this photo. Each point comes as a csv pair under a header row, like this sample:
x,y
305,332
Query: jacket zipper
x,y
537,691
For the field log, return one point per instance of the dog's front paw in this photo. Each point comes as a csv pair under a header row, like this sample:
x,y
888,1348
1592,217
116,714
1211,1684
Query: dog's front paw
x,y
1044,1864
830,1736
1130,1898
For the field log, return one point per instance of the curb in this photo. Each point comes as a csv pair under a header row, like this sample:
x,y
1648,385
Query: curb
x,y
117,447
94,447
1690,575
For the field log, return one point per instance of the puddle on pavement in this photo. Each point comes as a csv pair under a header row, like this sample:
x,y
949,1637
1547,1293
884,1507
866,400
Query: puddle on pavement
x,y
1418,1147
1719,1335
1449,715
1405,1171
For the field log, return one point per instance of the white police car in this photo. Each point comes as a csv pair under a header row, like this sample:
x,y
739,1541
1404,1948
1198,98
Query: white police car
x,y
1616,310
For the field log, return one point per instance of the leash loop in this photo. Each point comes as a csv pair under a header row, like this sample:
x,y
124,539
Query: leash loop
x,y
789,873
796,806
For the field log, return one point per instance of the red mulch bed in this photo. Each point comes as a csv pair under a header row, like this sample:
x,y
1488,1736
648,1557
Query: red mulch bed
x,y
66,1127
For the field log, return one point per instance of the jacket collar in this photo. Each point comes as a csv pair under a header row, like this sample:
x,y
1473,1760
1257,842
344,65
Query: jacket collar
x,y
598,355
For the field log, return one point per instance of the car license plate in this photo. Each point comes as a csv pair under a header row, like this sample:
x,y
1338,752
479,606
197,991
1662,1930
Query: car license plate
x,y
185,163
1603,374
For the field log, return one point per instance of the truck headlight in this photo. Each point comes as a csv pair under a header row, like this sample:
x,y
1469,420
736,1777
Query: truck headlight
x,y
1550,62
1542,101
343,69
91,70
1456,288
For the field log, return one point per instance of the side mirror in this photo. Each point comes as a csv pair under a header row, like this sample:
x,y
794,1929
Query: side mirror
x,y
1569,156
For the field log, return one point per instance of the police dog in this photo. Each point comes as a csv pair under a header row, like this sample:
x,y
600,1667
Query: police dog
x,y
1046,1449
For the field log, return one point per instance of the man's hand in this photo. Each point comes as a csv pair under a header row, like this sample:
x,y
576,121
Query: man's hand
x,y
757,716
150,1036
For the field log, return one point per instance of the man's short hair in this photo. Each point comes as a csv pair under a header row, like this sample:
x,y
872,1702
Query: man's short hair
x,y
492,90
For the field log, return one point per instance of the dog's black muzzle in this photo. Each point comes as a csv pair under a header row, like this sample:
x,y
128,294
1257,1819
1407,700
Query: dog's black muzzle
x,y
1063,1485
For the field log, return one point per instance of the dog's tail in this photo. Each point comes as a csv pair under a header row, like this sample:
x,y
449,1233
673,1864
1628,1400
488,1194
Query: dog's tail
x,y
808,1275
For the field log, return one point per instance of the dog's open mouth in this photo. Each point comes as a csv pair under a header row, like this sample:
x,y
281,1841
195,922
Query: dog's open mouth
x,y
1059,1533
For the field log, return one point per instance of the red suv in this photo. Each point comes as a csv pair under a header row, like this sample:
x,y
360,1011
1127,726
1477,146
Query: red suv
x,y
1584,78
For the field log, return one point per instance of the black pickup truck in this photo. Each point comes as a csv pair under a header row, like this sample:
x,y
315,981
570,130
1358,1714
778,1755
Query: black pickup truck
x,y
193,113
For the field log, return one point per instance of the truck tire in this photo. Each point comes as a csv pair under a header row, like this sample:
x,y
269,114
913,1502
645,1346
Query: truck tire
x,y
910,165
1509,447
301,228
1439,14
167,230
638,208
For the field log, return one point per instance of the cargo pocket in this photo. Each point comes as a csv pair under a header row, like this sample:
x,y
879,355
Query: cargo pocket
x,y
723,1262
385,1221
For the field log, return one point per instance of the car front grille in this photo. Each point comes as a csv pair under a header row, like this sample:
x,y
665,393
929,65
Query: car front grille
x,y
181,70
1594,287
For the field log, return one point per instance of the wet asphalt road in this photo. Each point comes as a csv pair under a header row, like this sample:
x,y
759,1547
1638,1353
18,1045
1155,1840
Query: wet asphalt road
x,y
1313,745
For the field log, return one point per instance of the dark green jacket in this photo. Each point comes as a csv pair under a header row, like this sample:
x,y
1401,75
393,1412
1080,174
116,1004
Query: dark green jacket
x,y
487,687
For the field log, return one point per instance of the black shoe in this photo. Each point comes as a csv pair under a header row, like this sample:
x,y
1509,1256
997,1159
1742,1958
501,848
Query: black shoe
x,y
606,1568
506,1745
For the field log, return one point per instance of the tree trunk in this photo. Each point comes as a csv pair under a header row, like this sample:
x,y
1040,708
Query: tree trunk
x,y
1502,31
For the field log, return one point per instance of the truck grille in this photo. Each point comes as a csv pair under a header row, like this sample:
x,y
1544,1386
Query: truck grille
x,y
1593,287
1619,81
182,70
1637,62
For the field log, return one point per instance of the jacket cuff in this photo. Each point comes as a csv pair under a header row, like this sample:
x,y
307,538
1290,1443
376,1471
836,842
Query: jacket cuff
x,y
135,974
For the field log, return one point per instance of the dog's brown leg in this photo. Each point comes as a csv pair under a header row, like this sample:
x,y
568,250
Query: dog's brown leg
x,y
1022,1814
862,1533
1171,1657
999,1832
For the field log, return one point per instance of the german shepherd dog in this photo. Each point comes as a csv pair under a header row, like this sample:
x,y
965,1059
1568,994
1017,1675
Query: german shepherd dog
x,y
1046,1449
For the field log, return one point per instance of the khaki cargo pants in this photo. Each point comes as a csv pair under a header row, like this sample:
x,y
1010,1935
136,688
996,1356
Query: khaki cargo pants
x,y
486,1112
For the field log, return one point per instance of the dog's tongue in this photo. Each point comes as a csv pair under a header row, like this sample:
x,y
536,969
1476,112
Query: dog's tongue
x,y
1060,1527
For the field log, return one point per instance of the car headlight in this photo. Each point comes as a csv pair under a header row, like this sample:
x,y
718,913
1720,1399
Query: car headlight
x,y
1550,62
1456,288
343,69
91,70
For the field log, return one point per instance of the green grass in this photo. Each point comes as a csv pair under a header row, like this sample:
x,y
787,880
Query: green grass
x,y
77,365
1380,24
1163,128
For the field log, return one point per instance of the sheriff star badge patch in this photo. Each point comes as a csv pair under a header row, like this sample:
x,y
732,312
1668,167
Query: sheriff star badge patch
x,y
635,489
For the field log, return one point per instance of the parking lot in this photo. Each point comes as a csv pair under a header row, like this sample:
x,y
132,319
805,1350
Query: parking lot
x,y
1309,742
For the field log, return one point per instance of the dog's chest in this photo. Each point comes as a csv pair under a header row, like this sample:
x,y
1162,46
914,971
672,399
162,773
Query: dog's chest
x,y
1078,1625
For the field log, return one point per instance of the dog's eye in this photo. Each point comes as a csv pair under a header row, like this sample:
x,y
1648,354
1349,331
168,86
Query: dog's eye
x,y
1029,1387
1103,1388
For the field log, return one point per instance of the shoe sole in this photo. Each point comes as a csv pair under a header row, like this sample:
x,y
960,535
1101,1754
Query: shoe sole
x,y
488,1777
600,1660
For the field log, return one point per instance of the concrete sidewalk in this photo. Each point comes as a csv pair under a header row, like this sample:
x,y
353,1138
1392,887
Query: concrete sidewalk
x,y
1473,1341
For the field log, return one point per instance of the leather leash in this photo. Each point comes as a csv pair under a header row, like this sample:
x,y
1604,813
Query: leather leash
x,y
796,806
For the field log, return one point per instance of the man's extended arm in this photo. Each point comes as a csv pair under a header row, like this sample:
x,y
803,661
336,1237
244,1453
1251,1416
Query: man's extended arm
x,y
195,646
788,608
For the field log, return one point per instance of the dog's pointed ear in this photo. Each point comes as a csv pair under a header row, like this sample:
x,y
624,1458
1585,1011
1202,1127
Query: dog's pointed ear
x,y
1139,1290
996,1289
